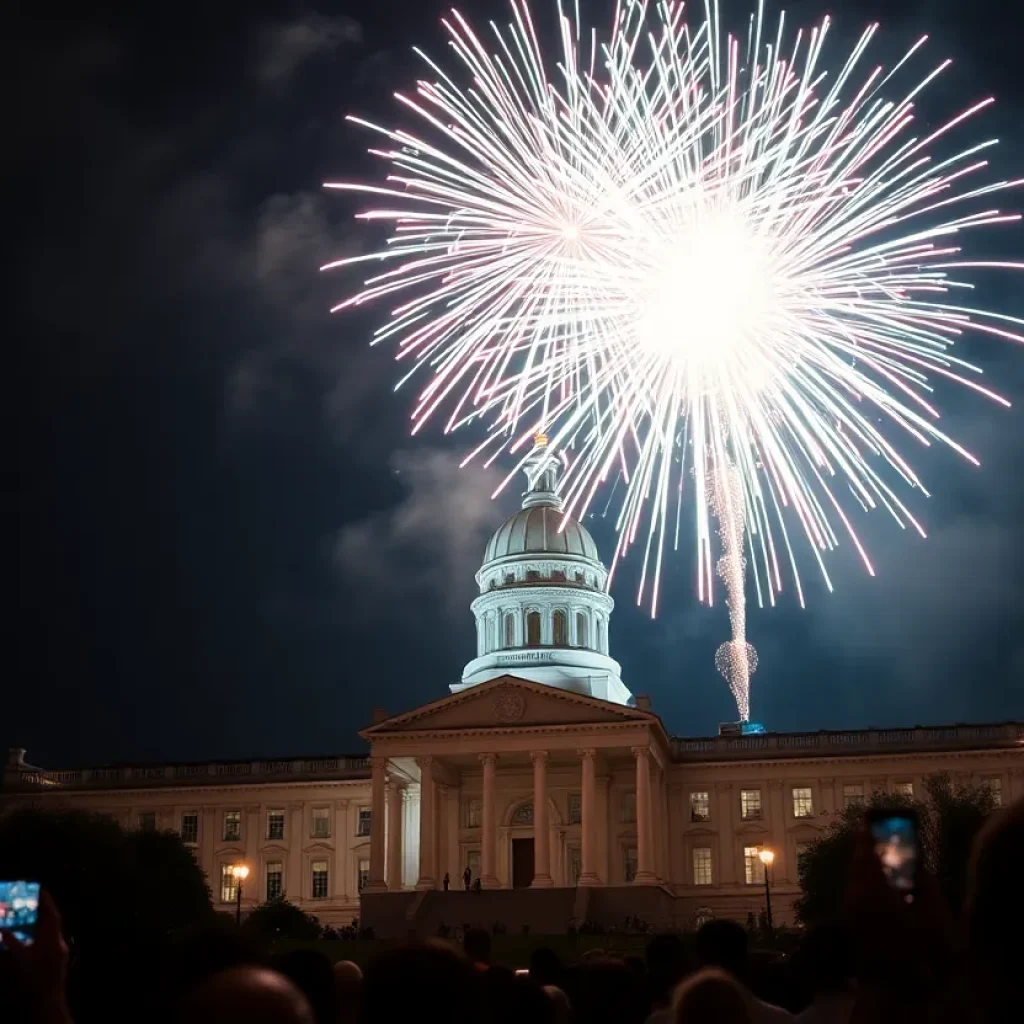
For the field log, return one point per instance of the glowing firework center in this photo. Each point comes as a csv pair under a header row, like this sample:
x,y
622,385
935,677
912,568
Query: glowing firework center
x,y
543,612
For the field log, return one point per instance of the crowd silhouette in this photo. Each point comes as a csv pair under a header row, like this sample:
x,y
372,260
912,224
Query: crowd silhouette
x,y
889,960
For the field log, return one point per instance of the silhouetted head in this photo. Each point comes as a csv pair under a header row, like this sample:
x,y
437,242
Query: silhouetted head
x,y
606,992
477,944
348,987
246,995
995,896
421,980
310,972
560,1001
545,966
666,960
722,944
711,997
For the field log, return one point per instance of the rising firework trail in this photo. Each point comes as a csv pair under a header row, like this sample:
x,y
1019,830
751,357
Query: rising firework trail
x,y
688,258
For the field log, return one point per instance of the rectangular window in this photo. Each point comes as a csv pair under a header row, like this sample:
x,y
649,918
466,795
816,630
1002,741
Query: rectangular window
x,y
575,808
275,824
630,872
753,869
904,789
575,865
994,785
232,832
190,828
474,812
364,873
321,827
803,803
750,804
228,884
700,806
147,821
853,794
628,808
319,869
365,817
275,879
702,865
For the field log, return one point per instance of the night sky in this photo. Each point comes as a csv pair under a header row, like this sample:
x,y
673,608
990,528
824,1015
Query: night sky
x,y
224,542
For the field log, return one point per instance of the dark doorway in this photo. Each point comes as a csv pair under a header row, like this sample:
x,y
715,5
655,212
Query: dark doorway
x,y
522,863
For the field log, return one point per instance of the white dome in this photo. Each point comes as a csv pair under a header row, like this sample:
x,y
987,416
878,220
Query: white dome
x,y
541,530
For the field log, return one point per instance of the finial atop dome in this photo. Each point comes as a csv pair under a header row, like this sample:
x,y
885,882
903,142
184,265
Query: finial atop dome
x,y
542,471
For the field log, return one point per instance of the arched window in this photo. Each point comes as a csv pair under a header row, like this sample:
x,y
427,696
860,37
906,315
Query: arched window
x,y
582,635
559,629
491,642
523,815
532,628
510,630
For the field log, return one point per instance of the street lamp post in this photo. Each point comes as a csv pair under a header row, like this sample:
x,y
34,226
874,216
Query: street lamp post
x,y
240,872
767,858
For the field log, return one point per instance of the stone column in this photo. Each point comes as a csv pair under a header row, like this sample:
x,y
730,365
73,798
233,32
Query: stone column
x,y
541,834
441,832
394,850
589,827
427,879
378,790
645,863
489,829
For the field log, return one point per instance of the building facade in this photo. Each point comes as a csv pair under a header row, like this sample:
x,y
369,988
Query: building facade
x,y
539,773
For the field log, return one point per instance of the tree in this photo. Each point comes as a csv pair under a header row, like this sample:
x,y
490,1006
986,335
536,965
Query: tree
x,y
279,919
950,817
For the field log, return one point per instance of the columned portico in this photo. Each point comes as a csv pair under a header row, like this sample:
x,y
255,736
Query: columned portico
x,y
396,793
541,835
489,822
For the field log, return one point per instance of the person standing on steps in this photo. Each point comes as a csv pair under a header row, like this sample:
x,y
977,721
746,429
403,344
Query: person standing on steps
x,y
446,881
467,877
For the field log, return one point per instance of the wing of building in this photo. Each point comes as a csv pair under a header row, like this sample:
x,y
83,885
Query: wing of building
x,y
539,775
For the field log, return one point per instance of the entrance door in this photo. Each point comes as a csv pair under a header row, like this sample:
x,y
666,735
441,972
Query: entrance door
x,y
522,863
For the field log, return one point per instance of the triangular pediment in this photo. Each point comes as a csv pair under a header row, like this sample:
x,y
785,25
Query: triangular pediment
x,y
508,701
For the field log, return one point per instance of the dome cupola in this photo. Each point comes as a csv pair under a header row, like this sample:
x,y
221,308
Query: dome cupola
x,y
542,613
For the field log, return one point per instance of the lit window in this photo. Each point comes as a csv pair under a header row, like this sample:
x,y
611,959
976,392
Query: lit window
x,y
147,821
474,812
630,872
628,807
232,826
904,789
275,879
995,786
753,869
582,635
321,823
702,865
853,794
228,884
803,803
558,629
532,628
275,824
190,827
510,630
750,804
319,869
700,806
365,819
364,873
575,809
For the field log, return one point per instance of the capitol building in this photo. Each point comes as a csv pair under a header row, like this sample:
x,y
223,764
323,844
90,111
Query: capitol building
x,y
540,772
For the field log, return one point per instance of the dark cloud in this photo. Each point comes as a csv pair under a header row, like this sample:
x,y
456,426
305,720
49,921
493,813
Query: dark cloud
x,y
284,48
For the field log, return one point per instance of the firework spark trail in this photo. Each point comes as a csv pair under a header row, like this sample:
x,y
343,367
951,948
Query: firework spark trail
x,y
676,252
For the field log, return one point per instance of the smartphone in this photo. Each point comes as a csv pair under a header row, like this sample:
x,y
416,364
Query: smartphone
x,y
894,832
19,909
